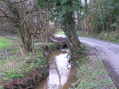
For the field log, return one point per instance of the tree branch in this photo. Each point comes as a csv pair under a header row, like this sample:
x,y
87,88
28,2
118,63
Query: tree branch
x,y
5,15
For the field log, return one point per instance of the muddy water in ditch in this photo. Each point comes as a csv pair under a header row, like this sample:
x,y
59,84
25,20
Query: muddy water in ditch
x,y
61,72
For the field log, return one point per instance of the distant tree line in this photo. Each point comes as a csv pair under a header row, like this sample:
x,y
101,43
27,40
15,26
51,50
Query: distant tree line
x,y
102,15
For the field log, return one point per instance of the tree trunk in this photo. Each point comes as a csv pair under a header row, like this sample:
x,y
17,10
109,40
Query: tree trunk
x,y
70,31
25,37
86,6
18,18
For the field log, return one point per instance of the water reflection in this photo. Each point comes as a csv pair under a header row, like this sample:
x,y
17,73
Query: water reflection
x,y
59,71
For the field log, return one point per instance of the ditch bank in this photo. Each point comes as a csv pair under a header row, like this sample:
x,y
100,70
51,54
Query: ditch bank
x,y
34,69
30,81
36,76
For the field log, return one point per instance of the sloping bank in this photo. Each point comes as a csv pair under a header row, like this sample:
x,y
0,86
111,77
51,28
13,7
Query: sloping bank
x,y
30,79
39,72
91,73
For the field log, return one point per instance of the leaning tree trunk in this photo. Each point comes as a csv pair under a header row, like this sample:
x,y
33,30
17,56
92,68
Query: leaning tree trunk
x,y
86,6
70,31
26,39
18,12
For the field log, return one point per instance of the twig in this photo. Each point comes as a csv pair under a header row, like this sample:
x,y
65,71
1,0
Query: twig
x,y
76,83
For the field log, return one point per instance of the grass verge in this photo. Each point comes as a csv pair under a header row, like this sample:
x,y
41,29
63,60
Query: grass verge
x,y
5,42
109,36
91,74
12,65
15,68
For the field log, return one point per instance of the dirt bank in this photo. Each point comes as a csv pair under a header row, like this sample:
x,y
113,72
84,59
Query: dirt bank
x,y
30,81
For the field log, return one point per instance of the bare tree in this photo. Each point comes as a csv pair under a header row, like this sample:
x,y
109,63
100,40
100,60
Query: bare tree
x,y
27,18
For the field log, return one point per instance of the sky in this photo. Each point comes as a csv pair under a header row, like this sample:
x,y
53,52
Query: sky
x,y
83,1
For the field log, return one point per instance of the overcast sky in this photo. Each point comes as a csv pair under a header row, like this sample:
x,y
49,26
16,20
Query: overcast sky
x,y
83,1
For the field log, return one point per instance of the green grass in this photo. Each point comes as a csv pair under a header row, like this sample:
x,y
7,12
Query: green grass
x,y
1,87
109,36
60,33
16,67
92,75
5,42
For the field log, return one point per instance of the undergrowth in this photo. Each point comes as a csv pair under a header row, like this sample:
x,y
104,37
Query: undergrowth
x,y
4,42
109,36
12,65
16,68
91,74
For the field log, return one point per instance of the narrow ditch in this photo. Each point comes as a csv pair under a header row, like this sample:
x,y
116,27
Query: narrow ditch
x,y
61,72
